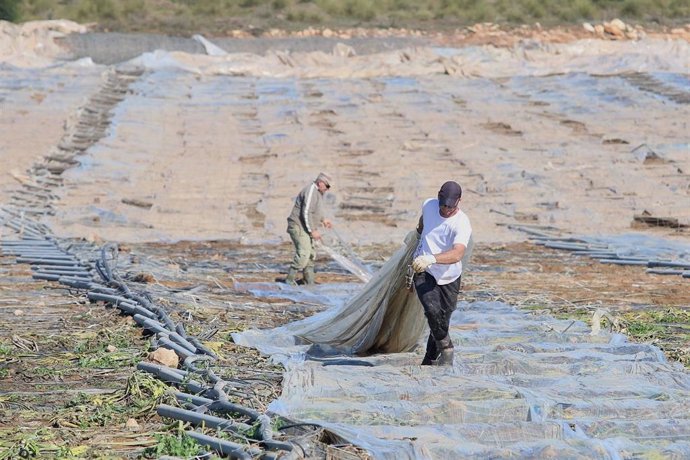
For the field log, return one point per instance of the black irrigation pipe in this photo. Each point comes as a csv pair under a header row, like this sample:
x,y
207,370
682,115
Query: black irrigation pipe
x,y
623,262
29,252
181,351
669,263
168,375
75,280
201,347
134,309
604,253
29,245
52,255
61,270
665,271
50,262
199,419
219,407
46,262
223,447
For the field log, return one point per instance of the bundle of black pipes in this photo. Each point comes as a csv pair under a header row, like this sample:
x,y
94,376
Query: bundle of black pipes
x,y
606,254
204,392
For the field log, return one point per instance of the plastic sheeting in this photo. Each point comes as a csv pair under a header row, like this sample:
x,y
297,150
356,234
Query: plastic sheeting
x,y
384,317
340,251
523,385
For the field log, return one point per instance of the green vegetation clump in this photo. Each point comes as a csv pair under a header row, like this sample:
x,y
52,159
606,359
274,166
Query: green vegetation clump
x,y
178,445
9,10
218,16
668,328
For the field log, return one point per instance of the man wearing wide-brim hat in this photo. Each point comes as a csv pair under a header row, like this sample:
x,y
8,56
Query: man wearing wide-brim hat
x,y
303,223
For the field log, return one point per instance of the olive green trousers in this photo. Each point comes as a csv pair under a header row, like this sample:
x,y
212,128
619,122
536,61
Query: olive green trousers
x,y
304,248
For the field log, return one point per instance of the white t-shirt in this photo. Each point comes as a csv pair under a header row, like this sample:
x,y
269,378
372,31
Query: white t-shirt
x,y
440,234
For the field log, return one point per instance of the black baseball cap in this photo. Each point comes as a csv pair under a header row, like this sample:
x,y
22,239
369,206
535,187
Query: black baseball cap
x,y
449,194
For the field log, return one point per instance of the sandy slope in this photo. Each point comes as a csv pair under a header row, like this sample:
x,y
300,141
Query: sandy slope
x,y
216,147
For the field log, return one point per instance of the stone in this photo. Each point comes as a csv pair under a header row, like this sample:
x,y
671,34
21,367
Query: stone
x,y
614,31
165,357
618,24
132,425
588,27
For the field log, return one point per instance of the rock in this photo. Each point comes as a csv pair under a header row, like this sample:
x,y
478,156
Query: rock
x,y
328,33
132,425
143,278
617,23
632,35
588,27
165,357
614,30
599,30
646,155
18,312
111,349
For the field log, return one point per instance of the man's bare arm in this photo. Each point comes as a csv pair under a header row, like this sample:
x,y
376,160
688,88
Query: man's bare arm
x,y
452,256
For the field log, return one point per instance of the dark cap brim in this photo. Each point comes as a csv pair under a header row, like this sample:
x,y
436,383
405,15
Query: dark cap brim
x,y
448,202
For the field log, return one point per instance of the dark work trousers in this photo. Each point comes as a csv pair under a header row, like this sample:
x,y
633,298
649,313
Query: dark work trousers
x,y
439,302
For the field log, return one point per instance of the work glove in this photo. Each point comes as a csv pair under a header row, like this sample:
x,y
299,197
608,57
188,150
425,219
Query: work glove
x,y
421,263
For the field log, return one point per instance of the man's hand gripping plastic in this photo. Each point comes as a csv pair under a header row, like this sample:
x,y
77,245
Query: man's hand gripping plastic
x,y
421,263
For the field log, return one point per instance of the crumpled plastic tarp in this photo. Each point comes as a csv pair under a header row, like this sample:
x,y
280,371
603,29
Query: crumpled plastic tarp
x,y
523,385
384,317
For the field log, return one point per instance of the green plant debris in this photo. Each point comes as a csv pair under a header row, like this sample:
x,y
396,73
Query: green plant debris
x,y
105,360
145,393
5,348
667,328
34,444
174,444
95,342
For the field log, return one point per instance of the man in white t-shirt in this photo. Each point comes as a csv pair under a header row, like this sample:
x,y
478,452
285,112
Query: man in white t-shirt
x,y
445,235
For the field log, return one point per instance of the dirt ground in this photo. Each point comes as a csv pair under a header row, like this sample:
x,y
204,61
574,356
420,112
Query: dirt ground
x,y
195,190
60,367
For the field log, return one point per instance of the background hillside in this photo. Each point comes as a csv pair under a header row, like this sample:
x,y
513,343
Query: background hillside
x,y
217,17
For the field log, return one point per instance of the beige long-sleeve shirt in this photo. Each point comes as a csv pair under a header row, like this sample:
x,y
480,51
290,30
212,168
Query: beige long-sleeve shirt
x,y
308,208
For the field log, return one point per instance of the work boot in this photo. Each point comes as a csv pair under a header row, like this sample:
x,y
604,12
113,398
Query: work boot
x,y
431,352
445,358
308,275
291,277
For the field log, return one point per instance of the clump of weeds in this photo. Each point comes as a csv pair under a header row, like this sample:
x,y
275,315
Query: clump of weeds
x,y
667,328
176,444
